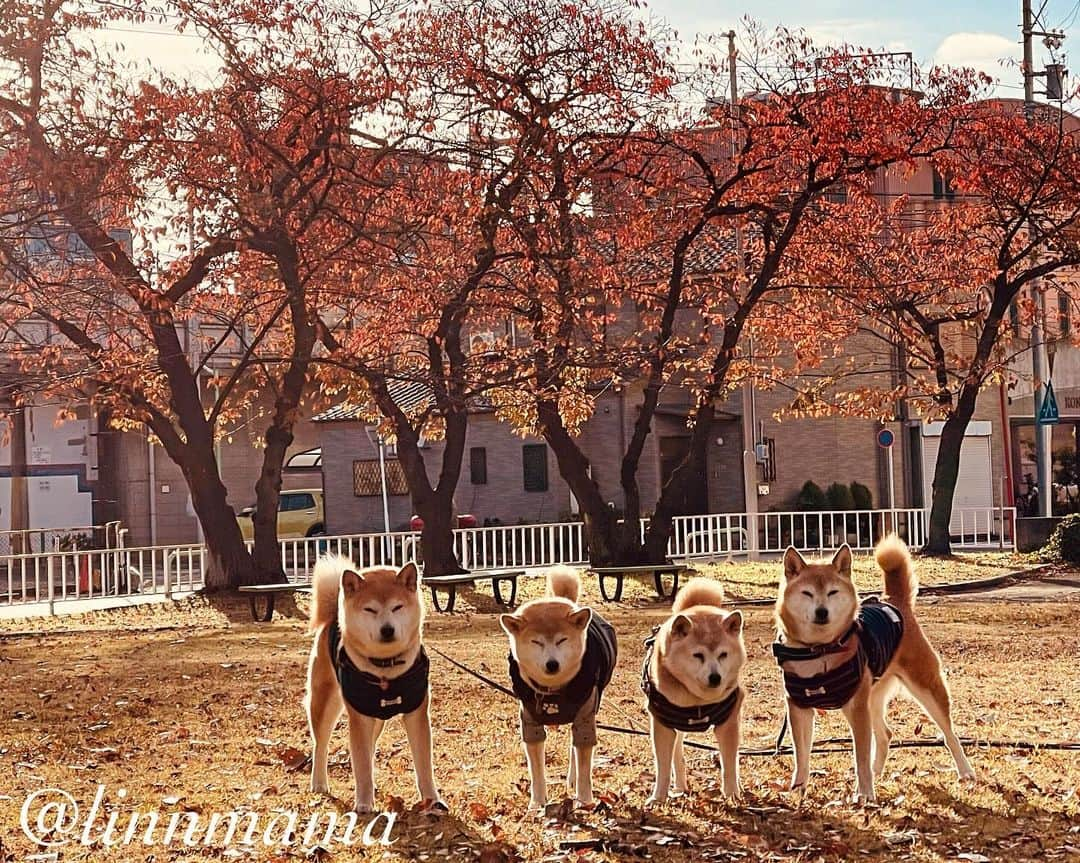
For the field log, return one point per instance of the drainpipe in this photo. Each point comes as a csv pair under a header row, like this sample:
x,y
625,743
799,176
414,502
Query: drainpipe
x,y
152,478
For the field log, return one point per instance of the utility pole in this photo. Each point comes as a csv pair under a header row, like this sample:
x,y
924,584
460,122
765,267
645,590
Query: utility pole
x,y
1040,362
749,423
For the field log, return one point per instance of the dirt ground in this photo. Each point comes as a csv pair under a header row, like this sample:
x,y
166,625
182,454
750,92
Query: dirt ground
x,y
195,708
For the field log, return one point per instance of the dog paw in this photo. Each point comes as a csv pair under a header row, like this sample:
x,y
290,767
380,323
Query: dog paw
x,y
585,802
864,798
656,800
968,775
320,788
433,807
537,805
733,794
364,808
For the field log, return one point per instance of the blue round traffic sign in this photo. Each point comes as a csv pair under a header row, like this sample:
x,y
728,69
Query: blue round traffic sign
x,y
885,438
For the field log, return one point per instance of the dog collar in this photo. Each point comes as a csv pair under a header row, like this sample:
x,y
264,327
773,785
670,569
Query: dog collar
x,y
386,663
786,653
544,690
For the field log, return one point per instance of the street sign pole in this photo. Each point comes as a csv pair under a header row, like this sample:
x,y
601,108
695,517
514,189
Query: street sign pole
x,y
886,439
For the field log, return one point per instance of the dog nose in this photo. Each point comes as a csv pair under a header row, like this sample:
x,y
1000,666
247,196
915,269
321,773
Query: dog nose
x,y
714,679
387,632
821,615
552,666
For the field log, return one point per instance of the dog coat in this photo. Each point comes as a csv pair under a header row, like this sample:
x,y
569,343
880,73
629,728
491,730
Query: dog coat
x,y
878,630
561,706
700,717
379,697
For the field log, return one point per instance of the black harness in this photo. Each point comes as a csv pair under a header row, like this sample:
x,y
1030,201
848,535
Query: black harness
x,y
700,717
561,706
371,695
878,630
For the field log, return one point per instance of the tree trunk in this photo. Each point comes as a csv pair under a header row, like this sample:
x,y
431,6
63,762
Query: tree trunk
x,y
267,549
607,542
228,562
437,535
946,471
694,464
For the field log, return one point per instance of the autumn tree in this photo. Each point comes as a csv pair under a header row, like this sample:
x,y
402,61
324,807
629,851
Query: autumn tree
x,y
667,221
949,279
479,89
245,167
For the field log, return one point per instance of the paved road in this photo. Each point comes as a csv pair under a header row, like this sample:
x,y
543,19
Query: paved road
x,y
1052,587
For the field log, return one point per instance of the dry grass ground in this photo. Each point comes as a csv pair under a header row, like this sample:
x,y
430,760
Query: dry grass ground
x,y
206,716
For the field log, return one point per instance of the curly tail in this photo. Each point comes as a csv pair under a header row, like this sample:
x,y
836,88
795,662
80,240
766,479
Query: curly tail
x,y
699,591
565,582
893,557
325,584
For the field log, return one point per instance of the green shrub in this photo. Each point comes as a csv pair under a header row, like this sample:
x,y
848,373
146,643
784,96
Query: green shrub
x,y
1064,542
838,496
810,497
861,496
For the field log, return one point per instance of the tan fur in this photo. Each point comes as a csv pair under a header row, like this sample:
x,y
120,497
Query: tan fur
x,y
915,666
325,585
364,601
564,582
901,585
553,629
698,639
699,591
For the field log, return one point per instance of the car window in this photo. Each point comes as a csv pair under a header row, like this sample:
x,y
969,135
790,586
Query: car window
x,y
293,502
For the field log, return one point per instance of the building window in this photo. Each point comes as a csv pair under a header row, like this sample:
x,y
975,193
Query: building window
x,y
1064,313
836,193
478,465
534,465
943,189
367,478
1014,318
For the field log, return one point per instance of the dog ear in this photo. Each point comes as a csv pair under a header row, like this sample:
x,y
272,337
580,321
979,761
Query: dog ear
x,y
511,624
681,626
842,560
351,581
408,575
581,618
733,622
793,562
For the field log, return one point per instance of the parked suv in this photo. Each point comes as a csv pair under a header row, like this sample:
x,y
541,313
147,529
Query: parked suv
x,y
300,514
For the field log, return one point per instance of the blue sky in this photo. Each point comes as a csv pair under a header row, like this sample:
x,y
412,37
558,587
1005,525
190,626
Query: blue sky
x,y
976,33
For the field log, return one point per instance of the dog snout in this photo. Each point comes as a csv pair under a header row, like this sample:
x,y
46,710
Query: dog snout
x,y
386,632
821,614
552,665
714,679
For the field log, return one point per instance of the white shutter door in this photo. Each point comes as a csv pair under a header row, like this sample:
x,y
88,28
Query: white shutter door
x,y
974,482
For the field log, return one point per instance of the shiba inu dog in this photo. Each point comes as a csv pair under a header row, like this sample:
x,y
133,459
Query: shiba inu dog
x,y
838,654
368,659
690,678
561,658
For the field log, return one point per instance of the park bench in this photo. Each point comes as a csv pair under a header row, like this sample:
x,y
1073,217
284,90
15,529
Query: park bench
x,y
268,593
450,583
658,571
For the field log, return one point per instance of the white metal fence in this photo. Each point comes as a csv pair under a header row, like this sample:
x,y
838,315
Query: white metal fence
x,y
53,576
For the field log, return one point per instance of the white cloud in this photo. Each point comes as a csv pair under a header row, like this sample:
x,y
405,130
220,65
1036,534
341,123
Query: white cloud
x,y
991,53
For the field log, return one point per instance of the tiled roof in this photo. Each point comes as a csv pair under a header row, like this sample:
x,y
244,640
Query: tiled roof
x,y
407,395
